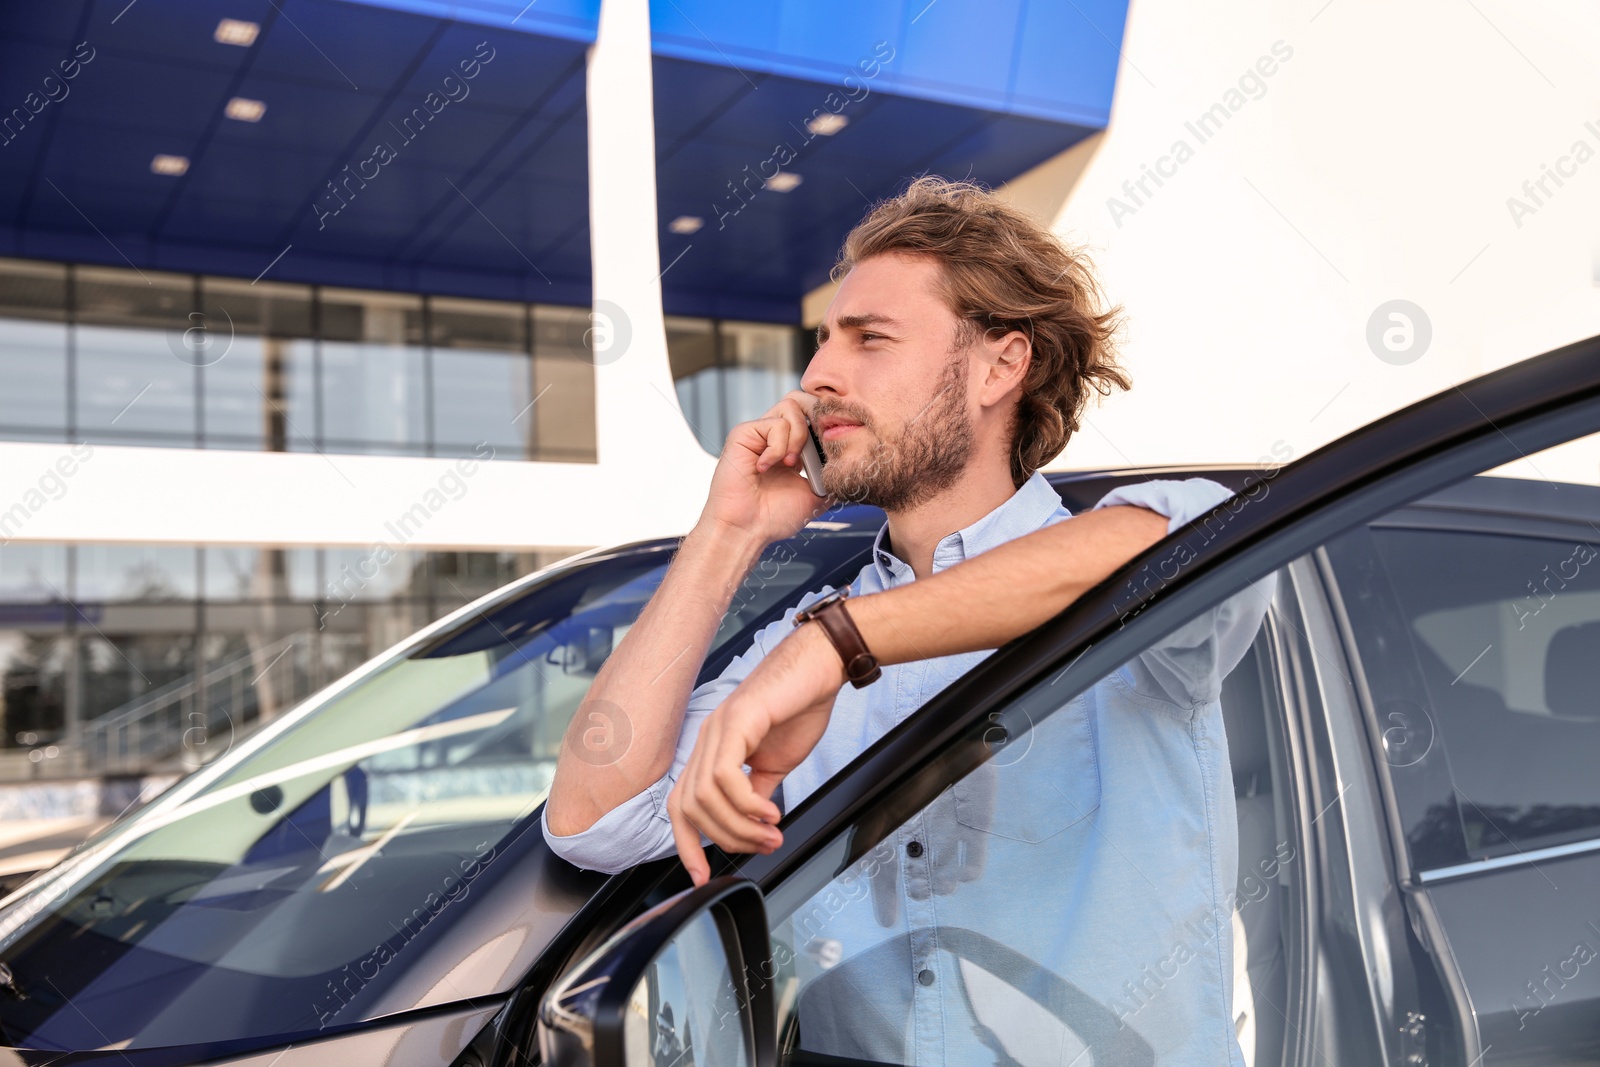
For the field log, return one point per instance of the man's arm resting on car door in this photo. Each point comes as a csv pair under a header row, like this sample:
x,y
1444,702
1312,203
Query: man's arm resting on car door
x,y
778,713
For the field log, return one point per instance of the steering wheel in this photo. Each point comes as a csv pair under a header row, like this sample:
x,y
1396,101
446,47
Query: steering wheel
x,y
843,1010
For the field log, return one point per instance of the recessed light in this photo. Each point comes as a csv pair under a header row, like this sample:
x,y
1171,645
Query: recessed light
x,y
686,224
170,165
244,109
237,31
827,124
783,181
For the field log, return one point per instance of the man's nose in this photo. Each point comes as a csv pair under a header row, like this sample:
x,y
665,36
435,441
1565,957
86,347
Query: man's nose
x,y
822,377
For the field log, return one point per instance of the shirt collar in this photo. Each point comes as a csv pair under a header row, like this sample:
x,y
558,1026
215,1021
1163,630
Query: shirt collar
x,y
1028,509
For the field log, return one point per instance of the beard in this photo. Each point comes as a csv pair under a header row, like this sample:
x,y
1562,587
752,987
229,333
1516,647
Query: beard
x,y
909,468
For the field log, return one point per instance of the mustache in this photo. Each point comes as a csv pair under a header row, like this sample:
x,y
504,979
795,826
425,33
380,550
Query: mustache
x,y
824,408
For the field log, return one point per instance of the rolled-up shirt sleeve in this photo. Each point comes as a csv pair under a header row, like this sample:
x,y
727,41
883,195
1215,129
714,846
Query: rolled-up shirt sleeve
x,y
638,829
1187,666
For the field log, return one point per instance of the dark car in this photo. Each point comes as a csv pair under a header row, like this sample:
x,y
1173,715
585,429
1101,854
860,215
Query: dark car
x,y
1414,739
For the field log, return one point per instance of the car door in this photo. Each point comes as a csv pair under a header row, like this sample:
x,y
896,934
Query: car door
x,y
1475,615
947,858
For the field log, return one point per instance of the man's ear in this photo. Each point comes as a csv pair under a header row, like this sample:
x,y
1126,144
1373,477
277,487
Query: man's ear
x,y
1006,356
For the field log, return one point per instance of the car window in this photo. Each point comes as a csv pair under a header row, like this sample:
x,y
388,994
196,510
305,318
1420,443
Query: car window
x,y
278,896
1055,901
1475,615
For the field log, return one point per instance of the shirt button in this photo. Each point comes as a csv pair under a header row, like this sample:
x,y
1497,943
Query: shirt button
x,y
914,849
925,977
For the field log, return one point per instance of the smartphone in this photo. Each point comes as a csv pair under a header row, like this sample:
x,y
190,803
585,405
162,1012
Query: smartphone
x,y
813,458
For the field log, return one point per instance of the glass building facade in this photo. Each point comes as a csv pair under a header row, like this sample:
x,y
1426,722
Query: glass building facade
x,y
90,632
730,372
95,636
193,361
188,361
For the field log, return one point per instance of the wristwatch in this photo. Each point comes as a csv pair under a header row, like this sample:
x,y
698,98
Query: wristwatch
x,y
860,666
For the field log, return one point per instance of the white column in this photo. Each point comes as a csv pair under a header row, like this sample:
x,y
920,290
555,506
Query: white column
x,y
639,419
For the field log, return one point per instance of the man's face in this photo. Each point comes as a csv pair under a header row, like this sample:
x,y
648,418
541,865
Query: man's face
x,y
894,410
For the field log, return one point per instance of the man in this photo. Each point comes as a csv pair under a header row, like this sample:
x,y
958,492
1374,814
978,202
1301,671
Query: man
x,y
956,359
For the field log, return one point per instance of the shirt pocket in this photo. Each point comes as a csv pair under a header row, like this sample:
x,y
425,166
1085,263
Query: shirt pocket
x,y
1039,782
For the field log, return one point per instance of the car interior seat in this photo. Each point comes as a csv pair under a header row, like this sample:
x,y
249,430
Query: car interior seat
x,y
1571,669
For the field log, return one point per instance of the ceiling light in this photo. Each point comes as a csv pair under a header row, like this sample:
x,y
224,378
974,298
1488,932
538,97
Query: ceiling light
x,y
170,165
827,124
237,31
686,224
782,181
245,110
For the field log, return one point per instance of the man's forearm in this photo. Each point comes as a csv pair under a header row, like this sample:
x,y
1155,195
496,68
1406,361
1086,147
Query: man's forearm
x,y
782,708
646,682
1004,592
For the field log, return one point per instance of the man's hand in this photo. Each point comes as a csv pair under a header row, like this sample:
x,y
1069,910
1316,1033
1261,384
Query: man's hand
x,y
770,723
757,485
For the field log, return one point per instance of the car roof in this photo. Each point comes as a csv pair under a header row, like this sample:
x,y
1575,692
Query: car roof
x,y
1080,490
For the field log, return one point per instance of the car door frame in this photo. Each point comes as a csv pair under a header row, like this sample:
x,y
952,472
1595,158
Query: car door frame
x,y
1283,515
1356,826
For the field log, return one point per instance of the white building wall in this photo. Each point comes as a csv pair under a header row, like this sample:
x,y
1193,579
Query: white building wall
x,y
1374,163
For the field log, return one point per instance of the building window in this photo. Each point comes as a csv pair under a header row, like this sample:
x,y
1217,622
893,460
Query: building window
x,y
123,573
258,365
146,358
730,372
563,385
758,366
481,378
692,351
131,386
33,350
35,659
109,653
372,373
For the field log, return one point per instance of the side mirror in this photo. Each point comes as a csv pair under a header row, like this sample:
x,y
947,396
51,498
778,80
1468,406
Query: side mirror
x,y
686,984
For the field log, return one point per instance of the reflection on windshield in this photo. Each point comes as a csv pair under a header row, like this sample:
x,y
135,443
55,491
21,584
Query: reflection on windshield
x,y
270,900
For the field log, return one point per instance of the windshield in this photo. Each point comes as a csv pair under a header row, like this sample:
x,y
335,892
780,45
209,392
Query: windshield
x,y
244,904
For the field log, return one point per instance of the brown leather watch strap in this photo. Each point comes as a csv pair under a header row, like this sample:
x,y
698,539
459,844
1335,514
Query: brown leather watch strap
x,y
860,665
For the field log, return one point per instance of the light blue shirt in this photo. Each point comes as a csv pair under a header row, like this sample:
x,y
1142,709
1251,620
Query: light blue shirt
x,y
1103,859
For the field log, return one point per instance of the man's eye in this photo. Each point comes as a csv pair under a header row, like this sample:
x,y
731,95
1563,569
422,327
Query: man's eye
x,y
871,337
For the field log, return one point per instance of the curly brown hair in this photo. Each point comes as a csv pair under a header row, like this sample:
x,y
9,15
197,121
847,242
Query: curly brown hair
x,y
1003,271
